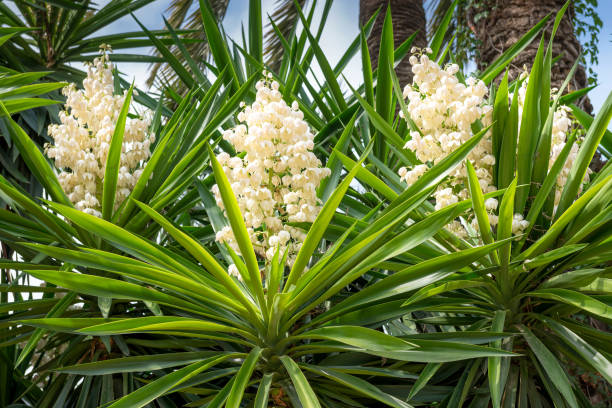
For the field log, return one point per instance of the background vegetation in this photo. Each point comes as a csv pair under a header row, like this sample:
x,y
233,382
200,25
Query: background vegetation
x,y
383,306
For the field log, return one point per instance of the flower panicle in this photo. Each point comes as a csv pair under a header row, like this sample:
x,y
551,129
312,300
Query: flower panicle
x,y
81,140
275,176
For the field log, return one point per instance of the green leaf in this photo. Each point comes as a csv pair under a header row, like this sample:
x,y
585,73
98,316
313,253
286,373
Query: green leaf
x,y
5,38
57,310
329,184
387,131
551,365
30,90
138,363
585,155
586,120
358,385
18,105
113,160
159,387
436,289
216,41
255,30
221,397
494,363
239,228
599,285
261,399
500,116
234,398
366,63
530,126
384,84
65,324
578,278
507,154
361,337
576,299
33,157
504,223
427,351
307,396
438,38
479,206
105,287
424,377
592,356
160,324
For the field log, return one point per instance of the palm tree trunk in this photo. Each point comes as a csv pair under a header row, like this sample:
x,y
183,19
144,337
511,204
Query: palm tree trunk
x,y
408,17
508,20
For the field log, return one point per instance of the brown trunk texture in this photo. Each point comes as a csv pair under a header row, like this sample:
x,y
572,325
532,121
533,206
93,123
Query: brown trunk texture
x,y
509,20
408,16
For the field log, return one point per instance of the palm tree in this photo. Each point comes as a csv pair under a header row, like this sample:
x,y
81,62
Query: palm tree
x,y
180,17
509,19
285,17
408,18
486,29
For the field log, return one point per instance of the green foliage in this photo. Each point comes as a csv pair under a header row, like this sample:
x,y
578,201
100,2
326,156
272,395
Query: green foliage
x,y
382,306
587,28
39,43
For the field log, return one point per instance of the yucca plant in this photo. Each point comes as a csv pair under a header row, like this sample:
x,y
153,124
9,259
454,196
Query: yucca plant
x,y
545,287
179,155
381,304
240,335
260,324
45,41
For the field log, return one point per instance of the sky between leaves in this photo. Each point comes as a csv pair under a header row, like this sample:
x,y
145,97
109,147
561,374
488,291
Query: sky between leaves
x,y
340,31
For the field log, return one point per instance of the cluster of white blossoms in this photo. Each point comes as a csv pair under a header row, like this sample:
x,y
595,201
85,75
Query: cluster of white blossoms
x,y
276,175
82,140
444,110
561,127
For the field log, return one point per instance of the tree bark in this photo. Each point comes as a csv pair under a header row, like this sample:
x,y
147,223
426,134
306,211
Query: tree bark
x,y
509,20
408,16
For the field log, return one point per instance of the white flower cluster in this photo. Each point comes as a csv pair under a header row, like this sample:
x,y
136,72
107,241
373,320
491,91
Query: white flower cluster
x,y
82,140
444,110
276,179
561,126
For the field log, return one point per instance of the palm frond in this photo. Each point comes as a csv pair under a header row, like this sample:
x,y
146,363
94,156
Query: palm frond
x,y
198,49
285,16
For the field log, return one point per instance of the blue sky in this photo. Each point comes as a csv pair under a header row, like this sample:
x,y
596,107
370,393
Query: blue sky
x,y
340,31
